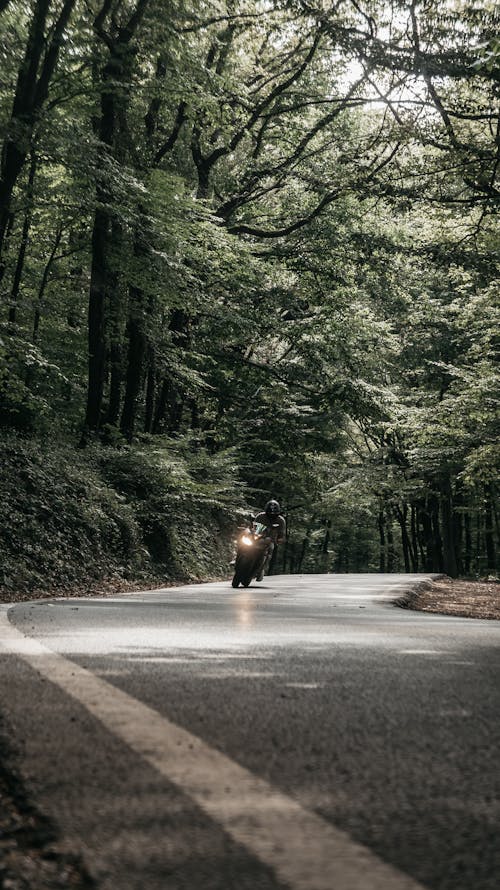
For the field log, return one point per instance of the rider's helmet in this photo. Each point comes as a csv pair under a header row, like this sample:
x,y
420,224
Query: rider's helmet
x,y
272,508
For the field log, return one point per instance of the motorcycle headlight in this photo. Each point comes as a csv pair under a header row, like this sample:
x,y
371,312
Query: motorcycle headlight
x,y
247,540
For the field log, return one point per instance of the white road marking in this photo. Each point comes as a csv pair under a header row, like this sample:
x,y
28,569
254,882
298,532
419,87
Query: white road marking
x,y
304,850
305,685
420,651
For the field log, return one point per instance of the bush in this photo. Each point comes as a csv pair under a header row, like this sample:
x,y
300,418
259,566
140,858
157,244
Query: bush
x,y
73,518
184,501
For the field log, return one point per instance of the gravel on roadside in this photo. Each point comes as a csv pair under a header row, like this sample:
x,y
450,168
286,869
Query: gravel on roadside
x,y
465,599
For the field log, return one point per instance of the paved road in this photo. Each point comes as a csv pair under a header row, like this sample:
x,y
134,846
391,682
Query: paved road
x,y
304,733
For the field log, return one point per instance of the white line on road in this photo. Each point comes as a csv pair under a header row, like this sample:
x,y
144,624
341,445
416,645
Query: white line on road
x,y
304,850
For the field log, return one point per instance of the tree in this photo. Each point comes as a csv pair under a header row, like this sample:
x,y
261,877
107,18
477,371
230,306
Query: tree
x,y
43,48
267,228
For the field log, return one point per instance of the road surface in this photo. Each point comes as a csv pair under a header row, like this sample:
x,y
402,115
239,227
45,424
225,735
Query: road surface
x,y
303,733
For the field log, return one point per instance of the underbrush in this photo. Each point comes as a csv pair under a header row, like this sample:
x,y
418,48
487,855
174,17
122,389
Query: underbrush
x,y
74,518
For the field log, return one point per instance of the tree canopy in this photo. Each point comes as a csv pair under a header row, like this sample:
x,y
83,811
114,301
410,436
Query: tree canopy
x,y
264,233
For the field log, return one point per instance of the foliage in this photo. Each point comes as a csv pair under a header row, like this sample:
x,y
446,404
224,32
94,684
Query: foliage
x,y
182,499
253,251
74,519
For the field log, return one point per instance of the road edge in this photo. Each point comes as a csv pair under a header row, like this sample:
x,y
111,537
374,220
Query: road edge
x,y
407,595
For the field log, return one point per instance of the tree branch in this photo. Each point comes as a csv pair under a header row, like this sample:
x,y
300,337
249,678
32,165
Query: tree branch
x,y
327,199
279,89
128,31
99,20
172,139
52,54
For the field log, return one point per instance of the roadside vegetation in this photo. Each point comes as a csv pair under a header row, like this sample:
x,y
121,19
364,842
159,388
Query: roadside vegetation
x,y
247,249
75,518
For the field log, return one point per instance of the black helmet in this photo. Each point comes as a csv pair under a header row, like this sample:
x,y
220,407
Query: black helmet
x,y
272,508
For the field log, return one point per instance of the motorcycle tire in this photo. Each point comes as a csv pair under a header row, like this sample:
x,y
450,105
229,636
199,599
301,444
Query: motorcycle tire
x,y
240,572
247,578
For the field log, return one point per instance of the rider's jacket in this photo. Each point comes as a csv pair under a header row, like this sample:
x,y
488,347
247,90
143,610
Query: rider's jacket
x,y
276,527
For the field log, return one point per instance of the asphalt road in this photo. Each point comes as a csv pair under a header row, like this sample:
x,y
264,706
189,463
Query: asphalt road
x,y
304,733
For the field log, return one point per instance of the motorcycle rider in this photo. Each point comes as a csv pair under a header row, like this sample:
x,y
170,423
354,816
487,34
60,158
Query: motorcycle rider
x,y
275,533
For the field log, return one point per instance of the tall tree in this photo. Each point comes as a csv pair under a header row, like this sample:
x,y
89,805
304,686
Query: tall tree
x,y
43,48
117,36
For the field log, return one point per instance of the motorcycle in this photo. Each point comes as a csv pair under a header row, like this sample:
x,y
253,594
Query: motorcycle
x,y
251,545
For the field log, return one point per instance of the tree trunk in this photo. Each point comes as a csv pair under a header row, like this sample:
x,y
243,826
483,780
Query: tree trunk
x,y
305,546
18,272
381,530
103,281
495,512
43,285
414,538
432,535
428,542
286,547
401,516
115,382
161,407
116,75
175,411
195,414
170,406
116,328
203,190
138,341
489,533
96,324
169,409
12,163
458,535
285,556
6,237
137,344
326,539
468,544
150,391
437,541
479,545
421,536
448,526
391,554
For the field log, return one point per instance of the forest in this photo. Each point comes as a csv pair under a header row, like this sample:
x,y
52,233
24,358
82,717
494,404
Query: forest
x,y
248,249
